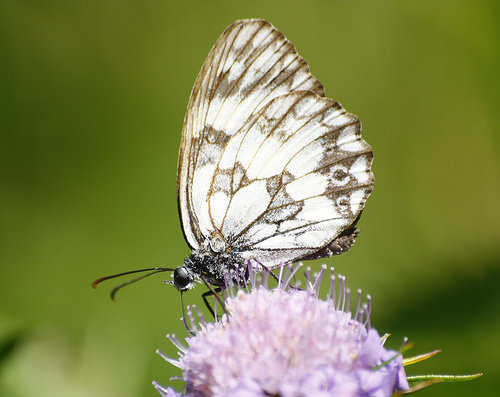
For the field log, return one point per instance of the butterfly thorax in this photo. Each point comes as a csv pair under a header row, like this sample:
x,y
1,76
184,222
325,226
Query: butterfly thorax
x,y
215,268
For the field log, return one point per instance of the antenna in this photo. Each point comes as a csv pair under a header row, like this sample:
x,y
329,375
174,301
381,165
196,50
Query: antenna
x,y
151,271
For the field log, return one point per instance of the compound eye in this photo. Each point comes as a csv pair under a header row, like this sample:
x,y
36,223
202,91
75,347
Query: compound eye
x,y
181,277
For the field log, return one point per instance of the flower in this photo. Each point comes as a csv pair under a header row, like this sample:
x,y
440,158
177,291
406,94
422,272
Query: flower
x,y
288,342
166,391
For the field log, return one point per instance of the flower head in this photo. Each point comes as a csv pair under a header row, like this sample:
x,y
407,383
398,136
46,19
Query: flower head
x,y
287,342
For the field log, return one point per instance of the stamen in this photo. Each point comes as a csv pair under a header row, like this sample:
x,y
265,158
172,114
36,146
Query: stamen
x,y
226,283
317,280
332,278
333,288
192,323
265,280
237,278
230,284
161,389
358,305
307,275
280,277
342,280
223,295
361,314
293,272
348,300
284,275
245,283
201,320
369,311
176,342
340,294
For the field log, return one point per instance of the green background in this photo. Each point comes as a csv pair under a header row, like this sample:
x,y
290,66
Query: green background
x,y
92,100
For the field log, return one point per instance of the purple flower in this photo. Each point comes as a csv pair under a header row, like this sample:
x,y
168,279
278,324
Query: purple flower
x,y
287,342
166,391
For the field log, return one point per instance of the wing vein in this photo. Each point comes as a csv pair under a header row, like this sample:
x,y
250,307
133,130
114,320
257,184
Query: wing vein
x,y
260,146
237,236
235,83
307,225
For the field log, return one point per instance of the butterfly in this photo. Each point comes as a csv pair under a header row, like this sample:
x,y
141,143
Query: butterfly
x,y
270,170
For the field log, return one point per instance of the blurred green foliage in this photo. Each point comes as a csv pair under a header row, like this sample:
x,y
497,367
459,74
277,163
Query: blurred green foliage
x,y
92,100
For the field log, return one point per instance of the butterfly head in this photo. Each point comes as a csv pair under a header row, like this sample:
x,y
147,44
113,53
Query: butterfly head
x,y
183,279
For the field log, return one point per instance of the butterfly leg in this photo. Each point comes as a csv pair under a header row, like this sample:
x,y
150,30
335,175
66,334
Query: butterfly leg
x,y
214,292
184,322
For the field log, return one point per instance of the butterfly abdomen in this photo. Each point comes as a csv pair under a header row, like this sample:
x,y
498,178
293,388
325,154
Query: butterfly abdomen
x,y
216,267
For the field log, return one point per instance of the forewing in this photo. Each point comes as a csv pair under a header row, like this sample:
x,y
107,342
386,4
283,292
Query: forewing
x,y
251,64
291,180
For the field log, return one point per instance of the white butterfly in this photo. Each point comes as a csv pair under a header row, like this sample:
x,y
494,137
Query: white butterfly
x,y
270,171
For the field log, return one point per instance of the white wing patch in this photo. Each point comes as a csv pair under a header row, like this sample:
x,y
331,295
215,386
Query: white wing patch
x,y
266,161
251,64
246,202
297,187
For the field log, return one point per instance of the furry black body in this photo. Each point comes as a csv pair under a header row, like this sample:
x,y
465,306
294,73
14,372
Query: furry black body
x,y
215,268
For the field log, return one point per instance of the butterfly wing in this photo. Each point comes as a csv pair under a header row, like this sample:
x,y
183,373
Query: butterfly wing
x,y
251,64
292,180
